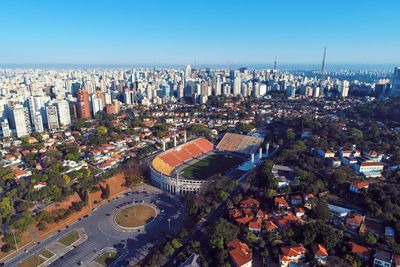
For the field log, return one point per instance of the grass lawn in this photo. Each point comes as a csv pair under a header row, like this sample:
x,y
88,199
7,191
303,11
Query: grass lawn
x,y
107,258
213,164
135,216
32,261
69,239
45,253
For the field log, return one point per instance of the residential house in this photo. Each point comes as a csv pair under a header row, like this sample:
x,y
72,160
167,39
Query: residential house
x,y
382,258
255,225
291,255
320,253
296,200
363,252
240,254
270,226
326,153
354,221
250,203
358,187
280,203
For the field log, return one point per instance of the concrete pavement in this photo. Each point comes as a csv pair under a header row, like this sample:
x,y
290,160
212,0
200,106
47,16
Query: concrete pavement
x,y
102,232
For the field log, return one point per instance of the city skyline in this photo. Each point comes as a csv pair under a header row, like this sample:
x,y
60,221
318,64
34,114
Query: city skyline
x,y
222,33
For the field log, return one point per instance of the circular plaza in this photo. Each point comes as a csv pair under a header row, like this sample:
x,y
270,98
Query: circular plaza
x,y
135,216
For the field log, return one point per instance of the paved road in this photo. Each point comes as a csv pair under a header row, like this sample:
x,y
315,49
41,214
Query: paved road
x,y
199,232
102,232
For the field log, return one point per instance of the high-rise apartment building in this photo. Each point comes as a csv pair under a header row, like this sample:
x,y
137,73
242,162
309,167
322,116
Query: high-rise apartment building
x,y
395,91
5,128
64,114
83,107
20,120
52,118
344,88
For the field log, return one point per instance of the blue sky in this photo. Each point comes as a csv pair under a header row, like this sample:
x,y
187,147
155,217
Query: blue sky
x,y
205,32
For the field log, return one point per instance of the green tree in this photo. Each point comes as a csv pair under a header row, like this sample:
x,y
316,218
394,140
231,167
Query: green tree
x,y
6,207
369,238
321,211
101,130
106,192
176,243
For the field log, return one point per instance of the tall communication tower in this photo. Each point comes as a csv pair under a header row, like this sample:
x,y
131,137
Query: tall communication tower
x,y
275,63
323,66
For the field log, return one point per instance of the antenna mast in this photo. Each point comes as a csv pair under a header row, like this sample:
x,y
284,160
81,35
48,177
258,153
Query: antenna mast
x,y
323,66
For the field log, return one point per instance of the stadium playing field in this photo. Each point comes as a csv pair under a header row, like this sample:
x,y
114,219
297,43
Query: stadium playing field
x,y
213,164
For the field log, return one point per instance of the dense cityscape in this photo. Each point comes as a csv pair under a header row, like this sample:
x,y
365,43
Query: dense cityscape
x,y
247,167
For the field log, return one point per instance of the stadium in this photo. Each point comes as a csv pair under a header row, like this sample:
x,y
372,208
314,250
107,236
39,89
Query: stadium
x,y
185,168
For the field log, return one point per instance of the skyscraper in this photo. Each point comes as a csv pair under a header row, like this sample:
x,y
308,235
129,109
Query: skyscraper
x,y
20,120
96,104
63,110
37,121
344,88
395,91
237,82
83,104
188,71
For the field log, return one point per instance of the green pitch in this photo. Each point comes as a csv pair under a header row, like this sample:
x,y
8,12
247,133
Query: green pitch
x,y
213,164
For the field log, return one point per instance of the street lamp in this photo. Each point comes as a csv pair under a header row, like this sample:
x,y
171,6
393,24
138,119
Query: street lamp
x,y
15,240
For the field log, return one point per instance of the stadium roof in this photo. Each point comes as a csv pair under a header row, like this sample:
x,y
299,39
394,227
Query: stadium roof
x,y
238,143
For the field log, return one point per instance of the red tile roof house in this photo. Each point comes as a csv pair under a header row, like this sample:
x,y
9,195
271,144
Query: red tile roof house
x,y
255,225
354,221
249,203
358,187
280,202
363,252
244,220
235,213
320,253
270,226
18,174
240,254
291,255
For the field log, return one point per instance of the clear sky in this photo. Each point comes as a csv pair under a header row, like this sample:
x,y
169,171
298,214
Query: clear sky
x,y
205,32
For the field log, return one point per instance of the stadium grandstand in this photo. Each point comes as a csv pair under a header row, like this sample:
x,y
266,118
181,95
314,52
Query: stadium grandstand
x,y
169,160
185,168
237,143
164,166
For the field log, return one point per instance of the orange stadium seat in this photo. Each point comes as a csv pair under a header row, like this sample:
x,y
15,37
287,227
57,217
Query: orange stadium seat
x,y
204,145
183,155
193,149
171,159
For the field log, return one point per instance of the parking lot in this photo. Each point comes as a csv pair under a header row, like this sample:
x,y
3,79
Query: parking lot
x,y
102,232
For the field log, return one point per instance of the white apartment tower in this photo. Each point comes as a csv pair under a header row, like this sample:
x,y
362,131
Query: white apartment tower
x,y
20,120
64,115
